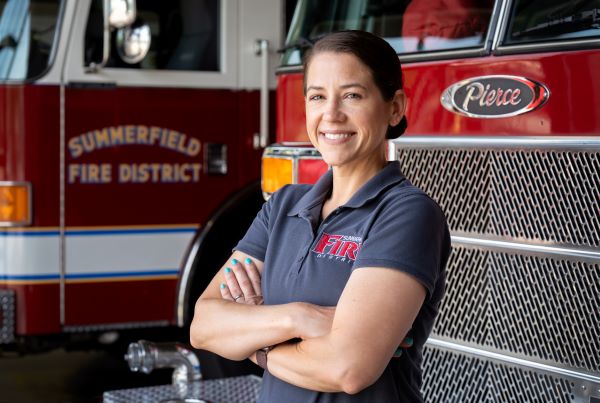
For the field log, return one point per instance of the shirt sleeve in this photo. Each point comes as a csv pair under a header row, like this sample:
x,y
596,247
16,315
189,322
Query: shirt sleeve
x,y
410,235
254,243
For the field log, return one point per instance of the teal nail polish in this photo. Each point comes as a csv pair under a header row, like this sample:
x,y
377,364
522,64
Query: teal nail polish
x,y
407,342
234,261
248,260
227,270
222,285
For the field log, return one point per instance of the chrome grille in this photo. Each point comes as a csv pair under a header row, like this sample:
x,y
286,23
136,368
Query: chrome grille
x,y
241,389
454,377
539,307
547,195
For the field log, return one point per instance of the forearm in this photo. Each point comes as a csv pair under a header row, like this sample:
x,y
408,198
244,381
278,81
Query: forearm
x,y
323,364
235,331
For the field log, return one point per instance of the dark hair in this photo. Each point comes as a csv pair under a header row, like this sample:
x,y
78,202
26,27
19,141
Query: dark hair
x,y
373,52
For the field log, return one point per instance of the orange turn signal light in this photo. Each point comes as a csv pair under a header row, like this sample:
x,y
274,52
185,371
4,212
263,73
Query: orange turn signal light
x,y
276,172
15,204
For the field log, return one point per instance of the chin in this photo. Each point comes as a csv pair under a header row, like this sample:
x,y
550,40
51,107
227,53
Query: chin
x,y
333,161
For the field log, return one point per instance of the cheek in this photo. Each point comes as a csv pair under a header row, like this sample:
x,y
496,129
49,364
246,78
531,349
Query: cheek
x,y
311,119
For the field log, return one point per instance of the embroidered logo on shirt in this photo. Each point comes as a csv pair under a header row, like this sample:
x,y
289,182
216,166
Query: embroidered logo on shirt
x,y
338,247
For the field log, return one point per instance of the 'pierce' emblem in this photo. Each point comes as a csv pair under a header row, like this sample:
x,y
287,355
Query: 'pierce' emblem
x,y
497,96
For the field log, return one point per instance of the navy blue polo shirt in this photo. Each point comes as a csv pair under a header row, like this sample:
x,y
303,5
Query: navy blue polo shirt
x,y
387,223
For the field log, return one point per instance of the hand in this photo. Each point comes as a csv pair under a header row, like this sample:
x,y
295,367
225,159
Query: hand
x,y
242,283
313,320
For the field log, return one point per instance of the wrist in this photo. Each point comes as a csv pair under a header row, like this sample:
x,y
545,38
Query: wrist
x,y
261,357
295,318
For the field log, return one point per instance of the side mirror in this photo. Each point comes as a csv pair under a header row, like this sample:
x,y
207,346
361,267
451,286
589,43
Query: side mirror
x,y
133,42
121,13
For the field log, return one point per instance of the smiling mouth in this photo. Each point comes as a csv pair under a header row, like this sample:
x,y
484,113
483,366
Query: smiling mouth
x,y
336,136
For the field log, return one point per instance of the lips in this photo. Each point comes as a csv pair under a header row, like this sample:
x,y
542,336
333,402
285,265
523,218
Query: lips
x,y
336,136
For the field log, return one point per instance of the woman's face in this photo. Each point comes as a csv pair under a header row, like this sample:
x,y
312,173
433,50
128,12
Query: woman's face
x,y
346,115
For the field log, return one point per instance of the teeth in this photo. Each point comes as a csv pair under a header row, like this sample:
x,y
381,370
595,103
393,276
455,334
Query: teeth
x,y
337,136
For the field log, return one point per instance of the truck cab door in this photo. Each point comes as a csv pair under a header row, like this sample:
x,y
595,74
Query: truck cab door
x,y
152,148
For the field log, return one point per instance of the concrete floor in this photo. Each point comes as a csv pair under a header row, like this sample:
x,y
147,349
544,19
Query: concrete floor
x,y
64,376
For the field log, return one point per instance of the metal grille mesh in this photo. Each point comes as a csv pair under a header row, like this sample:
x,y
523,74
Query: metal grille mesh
x,y
241,389
533,306
451,377
7,316
535,194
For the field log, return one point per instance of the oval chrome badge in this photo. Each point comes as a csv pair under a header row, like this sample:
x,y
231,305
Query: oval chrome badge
x,y
498,96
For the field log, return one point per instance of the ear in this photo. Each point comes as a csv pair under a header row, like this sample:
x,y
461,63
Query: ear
x,y
398,107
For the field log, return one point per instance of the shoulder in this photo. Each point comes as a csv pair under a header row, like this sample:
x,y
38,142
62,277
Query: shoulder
x,y
404,199
284,199
289,194
405,193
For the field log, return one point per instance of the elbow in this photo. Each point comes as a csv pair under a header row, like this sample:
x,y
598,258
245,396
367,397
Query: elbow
x,y
202,338
196,336
354,383
199,335
355,377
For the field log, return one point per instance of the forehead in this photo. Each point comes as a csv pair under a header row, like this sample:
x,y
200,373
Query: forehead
x,y
338,67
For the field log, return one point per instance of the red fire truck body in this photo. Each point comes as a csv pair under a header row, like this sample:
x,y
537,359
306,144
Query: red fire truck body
x,y
116,178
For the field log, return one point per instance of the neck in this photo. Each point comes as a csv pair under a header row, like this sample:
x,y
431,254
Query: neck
x,y
348,179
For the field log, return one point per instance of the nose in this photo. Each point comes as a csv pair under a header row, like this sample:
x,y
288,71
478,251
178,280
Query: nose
x,y
333,111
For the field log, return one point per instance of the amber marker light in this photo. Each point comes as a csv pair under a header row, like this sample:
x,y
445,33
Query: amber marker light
x,y
15,204
276,172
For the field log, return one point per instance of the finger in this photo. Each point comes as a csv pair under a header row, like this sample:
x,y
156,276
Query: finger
x,y
232,285
255,300
225,293
254,275
242,278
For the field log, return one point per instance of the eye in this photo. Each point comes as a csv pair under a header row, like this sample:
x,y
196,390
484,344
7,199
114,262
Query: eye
x,y
316,97
353,95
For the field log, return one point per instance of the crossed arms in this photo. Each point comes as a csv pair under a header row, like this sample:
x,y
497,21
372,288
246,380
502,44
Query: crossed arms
x,y
341,349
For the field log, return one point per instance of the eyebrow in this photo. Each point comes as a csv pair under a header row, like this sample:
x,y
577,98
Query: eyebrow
x,y
345,86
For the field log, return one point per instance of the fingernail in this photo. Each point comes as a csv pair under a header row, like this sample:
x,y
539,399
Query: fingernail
x,y
227,270
248,260
234,261
222,285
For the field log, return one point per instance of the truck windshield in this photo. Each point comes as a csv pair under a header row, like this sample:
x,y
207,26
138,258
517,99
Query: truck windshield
x,y
409,26
540,21
27,31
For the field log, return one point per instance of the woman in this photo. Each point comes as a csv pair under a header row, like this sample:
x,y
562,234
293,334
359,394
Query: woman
x,y
351,269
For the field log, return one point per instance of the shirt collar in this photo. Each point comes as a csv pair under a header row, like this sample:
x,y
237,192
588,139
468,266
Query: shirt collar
x,y
388,176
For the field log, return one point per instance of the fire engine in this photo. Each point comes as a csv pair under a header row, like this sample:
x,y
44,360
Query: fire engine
x,y
130,145
98,149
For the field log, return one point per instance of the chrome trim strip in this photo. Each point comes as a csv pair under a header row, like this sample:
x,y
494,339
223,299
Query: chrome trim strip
x,y
295,170
110,326
186,273
297,152
547,46
582,143
4,224
492,26
299,145
540,249
57,35
571,373
502,23
442,55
